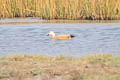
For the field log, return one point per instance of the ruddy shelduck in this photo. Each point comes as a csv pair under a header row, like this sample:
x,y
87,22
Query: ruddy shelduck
x,y
60,37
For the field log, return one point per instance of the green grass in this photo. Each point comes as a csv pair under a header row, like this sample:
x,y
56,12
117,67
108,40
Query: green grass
x,y
61,9
33,67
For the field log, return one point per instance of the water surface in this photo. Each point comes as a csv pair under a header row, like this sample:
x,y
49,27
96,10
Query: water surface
x,y
91,38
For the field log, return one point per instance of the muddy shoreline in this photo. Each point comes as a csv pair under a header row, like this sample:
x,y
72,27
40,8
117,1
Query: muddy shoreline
x,y
96,67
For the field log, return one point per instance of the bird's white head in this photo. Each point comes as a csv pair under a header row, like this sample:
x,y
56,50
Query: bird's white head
x,y
51,33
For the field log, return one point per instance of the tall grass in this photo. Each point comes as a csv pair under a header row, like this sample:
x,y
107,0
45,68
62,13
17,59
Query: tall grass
x,y
61,9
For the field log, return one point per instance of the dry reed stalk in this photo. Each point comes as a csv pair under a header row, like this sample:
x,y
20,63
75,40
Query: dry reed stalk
x,y
61,9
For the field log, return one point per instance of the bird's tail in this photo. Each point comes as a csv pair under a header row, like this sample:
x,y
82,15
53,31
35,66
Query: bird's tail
x,y
72,36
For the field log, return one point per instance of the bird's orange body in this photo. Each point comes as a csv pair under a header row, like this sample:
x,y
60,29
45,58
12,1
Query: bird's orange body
x,y
59,37
62,37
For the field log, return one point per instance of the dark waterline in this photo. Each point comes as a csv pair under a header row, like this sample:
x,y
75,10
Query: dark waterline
x,y
42,21
91,38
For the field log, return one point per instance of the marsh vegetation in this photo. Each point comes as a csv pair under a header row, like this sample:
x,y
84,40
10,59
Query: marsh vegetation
x,y
61,9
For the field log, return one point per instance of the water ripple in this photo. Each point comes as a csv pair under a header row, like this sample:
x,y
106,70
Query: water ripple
x,y
33,39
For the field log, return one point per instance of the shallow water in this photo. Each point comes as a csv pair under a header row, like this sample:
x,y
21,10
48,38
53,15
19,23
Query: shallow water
x,y
91,38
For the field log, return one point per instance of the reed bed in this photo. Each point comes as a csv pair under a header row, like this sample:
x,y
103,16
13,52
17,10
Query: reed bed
x,y
61,9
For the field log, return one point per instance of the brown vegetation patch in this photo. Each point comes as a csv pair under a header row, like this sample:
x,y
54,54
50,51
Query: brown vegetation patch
x,y
60,68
